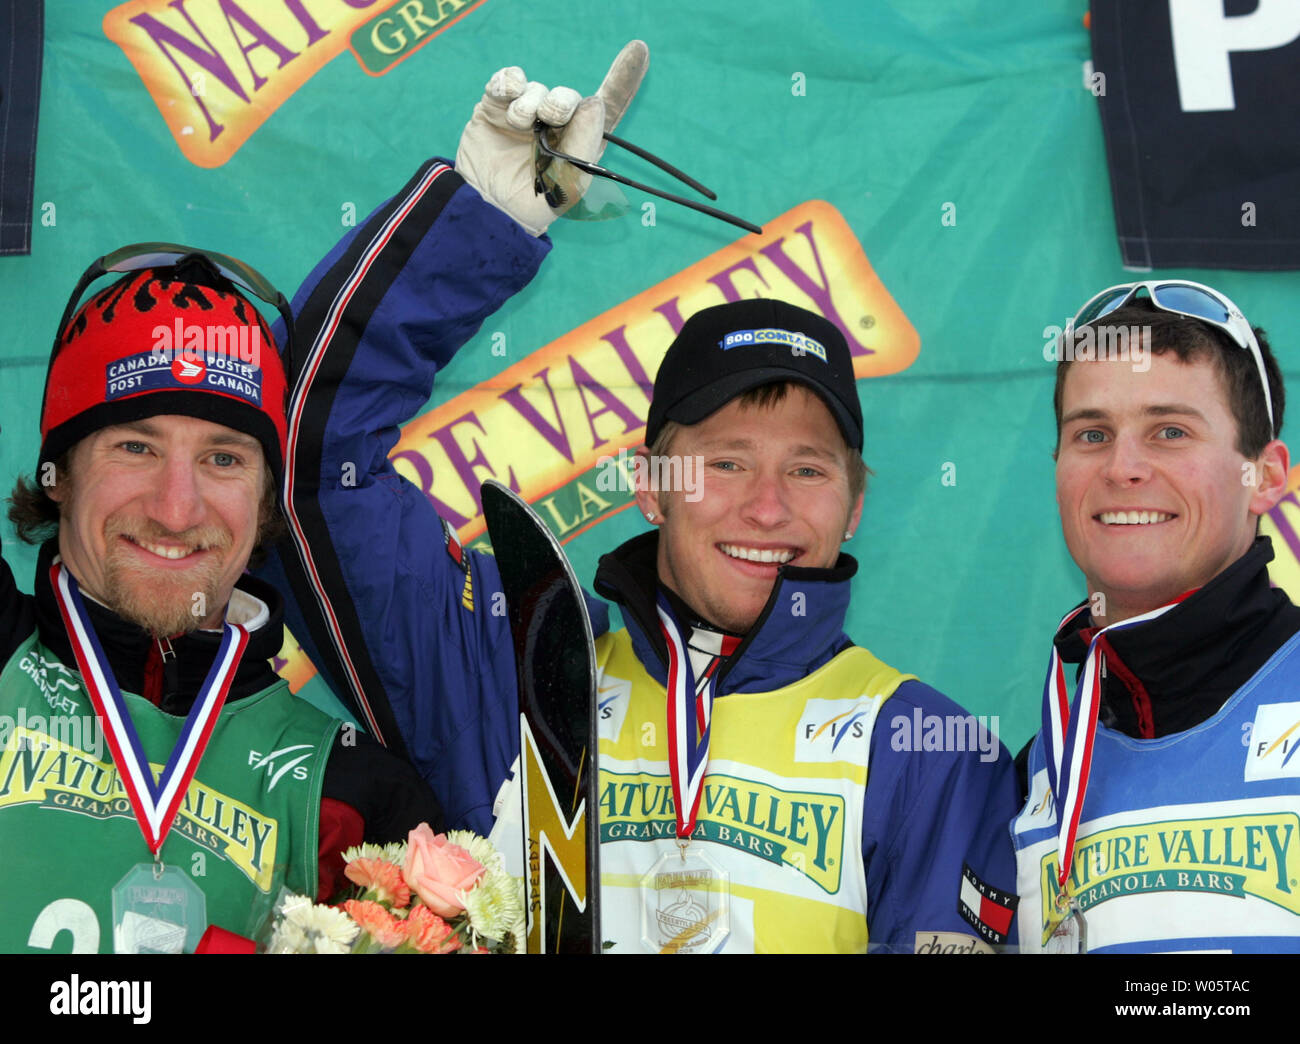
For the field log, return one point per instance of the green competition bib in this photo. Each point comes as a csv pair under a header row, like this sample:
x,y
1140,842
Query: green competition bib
x,y
248,823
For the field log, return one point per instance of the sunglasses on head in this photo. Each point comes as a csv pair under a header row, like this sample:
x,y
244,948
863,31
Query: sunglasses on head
x,y
557,177
1183,297
139,256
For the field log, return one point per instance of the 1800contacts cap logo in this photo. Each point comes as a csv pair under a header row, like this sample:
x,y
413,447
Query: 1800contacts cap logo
x,y
1272,742
795,341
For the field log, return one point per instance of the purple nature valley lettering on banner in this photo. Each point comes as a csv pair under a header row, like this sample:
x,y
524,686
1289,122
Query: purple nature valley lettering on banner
x,y
552,425
218,69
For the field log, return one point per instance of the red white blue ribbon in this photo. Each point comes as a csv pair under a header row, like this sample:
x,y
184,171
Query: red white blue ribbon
x,y
155,803
1069,730
690,712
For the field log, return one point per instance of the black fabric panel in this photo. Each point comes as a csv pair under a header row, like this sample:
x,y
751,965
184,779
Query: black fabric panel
x,y
22,35
387,791
1180,179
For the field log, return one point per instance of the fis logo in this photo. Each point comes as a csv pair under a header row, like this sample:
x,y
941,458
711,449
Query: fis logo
x,y
280,762
1040,808
1272,742
835,730
612,698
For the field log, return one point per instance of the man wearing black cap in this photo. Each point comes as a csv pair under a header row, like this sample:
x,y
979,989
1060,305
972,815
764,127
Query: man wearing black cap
x,y
818,798
156,776
725,363
739,597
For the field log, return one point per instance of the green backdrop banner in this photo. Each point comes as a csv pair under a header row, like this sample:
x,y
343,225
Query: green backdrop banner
x,y
931,176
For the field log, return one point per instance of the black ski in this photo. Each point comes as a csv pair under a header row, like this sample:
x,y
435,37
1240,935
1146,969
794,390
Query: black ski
x,y
555,660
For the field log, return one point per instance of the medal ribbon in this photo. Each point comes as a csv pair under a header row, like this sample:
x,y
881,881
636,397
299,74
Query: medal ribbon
x,y
689,718
155,804
1068,732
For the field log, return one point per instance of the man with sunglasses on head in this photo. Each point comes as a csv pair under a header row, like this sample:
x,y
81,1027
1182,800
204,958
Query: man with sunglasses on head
x,y
156,776
835,834
1162,780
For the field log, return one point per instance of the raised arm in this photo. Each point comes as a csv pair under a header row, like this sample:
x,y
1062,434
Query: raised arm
x,y
386,603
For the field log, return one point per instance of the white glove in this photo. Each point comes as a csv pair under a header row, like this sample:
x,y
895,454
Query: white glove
x,y
496,148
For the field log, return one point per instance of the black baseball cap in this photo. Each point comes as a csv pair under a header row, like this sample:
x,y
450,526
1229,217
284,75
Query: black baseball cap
x,y
726,350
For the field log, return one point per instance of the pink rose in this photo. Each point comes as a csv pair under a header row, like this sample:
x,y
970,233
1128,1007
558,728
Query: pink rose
x,y
436,870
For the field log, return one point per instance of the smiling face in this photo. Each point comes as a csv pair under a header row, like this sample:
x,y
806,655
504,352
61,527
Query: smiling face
x,y
1155,498
775,490
158,518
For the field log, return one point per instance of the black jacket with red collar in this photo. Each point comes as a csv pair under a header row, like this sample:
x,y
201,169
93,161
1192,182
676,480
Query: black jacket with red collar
x,y
1172,673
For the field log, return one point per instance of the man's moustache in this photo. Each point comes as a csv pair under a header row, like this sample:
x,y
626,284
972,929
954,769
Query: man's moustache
x,y
208,538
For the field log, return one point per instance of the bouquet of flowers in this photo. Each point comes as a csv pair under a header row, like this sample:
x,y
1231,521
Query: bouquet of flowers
x,y
444,893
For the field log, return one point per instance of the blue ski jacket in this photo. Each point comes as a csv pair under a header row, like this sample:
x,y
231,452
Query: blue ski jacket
x,y
379,581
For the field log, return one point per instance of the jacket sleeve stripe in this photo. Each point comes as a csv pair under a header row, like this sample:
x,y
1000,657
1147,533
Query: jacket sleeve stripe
x,y
332,319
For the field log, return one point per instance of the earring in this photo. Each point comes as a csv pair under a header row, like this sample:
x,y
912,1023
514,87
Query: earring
x,y
649,516
848,536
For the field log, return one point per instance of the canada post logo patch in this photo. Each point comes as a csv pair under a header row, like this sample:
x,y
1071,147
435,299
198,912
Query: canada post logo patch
x,y
1273,741
800,344
153,371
